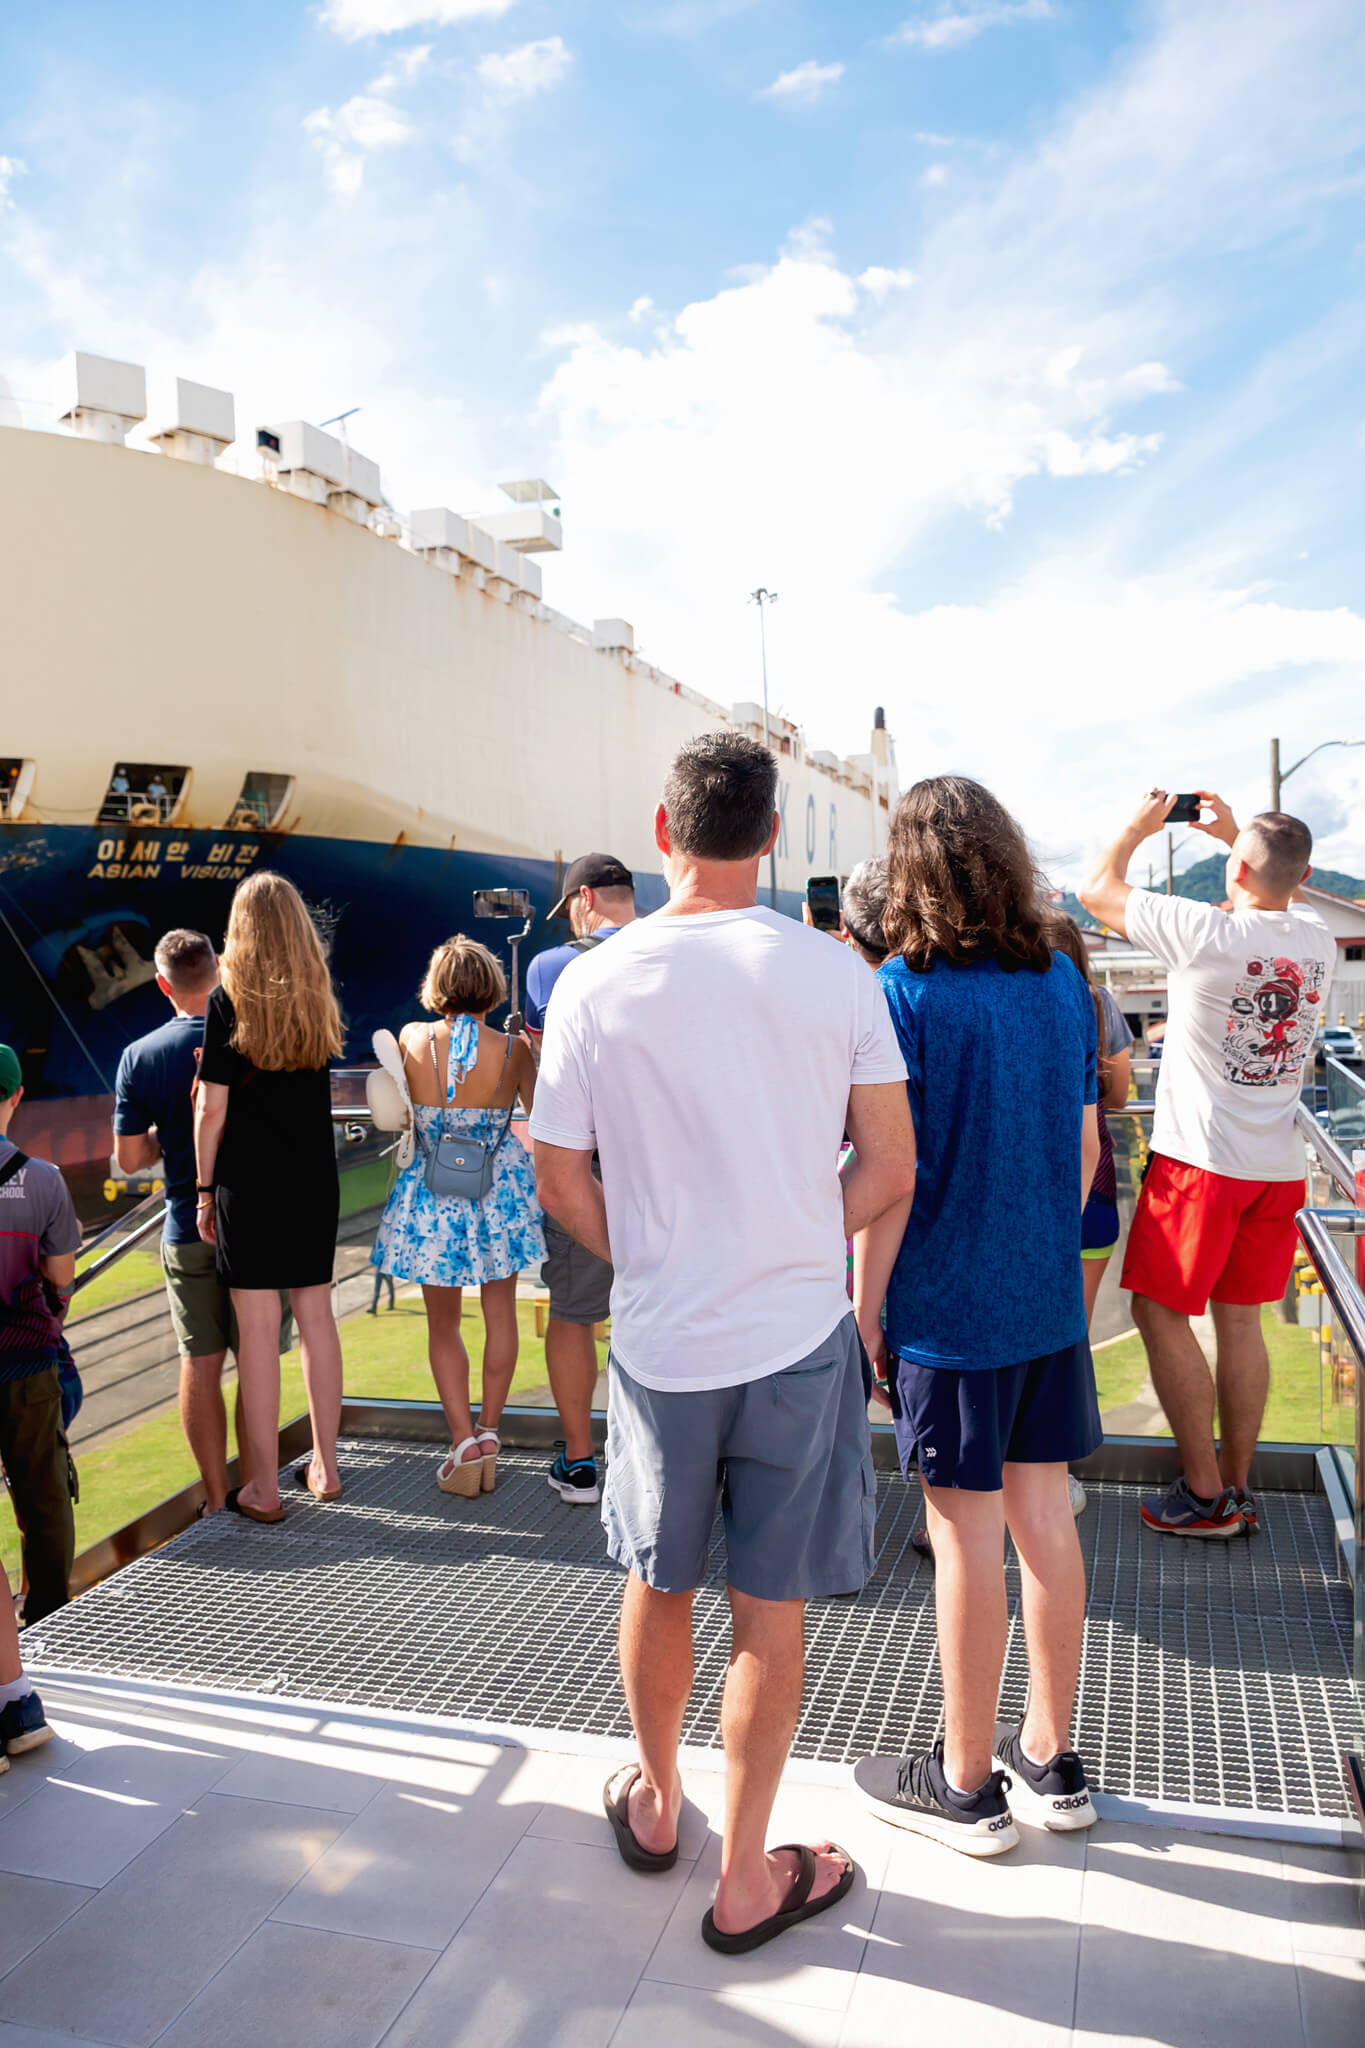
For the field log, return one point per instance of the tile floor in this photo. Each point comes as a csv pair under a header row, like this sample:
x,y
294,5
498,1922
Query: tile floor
x,y
182,1868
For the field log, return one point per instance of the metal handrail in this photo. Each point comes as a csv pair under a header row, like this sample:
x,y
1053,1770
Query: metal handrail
x,y
1326,1148
1329,1059
111,1258
121,1223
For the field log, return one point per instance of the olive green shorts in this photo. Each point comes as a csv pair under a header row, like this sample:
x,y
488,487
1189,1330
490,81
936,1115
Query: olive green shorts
x,y
201,1307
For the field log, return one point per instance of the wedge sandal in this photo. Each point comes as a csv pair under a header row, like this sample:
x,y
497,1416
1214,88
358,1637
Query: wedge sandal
x,y
458,1474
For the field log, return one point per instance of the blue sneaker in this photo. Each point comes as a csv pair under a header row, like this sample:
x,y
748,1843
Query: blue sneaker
x,y
1178,1512
577,1481
23,1725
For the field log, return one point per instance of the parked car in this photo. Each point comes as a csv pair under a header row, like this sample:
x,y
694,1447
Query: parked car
x,y
1340,1041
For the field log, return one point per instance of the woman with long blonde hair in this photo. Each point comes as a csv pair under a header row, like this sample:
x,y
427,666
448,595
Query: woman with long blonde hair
x,y
268,1194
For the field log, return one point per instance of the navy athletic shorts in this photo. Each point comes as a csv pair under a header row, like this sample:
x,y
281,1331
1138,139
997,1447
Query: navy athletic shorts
x,y
961,1428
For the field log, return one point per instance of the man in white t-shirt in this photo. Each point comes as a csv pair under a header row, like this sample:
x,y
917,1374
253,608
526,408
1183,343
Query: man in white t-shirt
x,y
1215,1222
714,1054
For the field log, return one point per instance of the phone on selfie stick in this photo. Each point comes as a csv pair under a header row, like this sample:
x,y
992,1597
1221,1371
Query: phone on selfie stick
x,y
1184,811
822,898
504,904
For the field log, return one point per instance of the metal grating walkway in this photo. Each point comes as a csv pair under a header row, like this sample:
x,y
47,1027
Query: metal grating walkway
x,y
1217,1674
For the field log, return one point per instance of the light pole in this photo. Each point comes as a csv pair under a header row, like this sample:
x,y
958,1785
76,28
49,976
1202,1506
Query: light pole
x,y
763,598
1279,777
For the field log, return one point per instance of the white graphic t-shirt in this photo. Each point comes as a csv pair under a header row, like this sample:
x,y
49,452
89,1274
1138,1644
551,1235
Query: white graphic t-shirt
x,y
1246,991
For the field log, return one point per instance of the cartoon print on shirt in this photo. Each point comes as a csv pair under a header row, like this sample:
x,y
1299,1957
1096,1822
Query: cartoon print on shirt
x,y
1274,1018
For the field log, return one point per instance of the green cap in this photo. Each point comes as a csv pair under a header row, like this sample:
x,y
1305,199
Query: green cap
x,y
11,1073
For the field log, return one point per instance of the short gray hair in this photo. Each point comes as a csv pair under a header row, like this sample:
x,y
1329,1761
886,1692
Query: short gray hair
x,y
863,905
1279,848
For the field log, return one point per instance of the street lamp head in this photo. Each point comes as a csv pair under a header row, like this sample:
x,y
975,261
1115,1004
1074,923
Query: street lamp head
x,y
760,597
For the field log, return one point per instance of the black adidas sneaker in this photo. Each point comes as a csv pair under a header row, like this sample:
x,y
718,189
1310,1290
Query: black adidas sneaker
x,y
1052,1795
912,1792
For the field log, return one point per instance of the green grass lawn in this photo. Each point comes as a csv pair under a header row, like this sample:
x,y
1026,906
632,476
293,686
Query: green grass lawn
x,y
383,1356
1295,1412
1120,1369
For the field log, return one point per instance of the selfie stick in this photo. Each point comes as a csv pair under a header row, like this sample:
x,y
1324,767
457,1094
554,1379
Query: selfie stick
x,y
515,1021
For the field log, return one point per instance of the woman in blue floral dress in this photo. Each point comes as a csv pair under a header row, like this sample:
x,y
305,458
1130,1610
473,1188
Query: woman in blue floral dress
x,y
464,1079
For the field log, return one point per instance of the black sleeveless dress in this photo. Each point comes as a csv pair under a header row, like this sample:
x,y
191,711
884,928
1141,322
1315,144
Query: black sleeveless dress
x,y
278,1193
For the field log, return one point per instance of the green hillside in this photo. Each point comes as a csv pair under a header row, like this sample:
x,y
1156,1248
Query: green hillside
x,y
1206,882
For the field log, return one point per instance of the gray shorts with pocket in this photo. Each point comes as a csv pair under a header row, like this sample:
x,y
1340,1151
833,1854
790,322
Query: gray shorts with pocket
x,y
579,1282
788,1457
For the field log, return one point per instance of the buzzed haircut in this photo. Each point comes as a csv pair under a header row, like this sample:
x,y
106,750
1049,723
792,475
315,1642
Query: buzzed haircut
x,y
186,960
1281,850
720,797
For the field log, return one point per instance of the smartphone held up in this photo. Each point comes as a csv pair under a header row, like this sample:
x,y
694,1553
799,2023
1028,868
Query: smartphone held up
x,y
822,901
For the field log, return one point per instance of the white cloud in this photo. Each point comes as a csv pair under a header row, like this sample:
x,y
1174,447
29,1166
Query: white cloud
x,y
936,174
804,85
640,307
534,67
352,19
878,282
345,135
951,26
403,67
10,168
927,137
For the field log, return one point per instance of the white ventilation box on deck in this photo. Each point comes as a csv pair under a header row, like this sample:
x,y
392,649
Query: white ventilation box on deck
x,y
310,463
482,549
529,572
360,482
611,635
205,423
534,525
103,398
438,528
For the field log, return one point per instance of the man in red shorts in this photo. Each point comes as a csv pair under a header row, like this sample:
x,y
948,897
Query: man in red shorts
x,y
1215,1222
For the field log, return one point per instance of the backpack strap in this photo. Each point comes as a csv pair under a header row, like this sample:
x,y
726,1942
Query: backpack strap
x,y
12,1165
585,945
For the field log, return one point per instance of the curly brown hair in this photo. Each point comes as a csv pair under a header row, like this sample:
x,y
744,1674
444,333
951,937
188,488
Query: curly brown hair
x,y
961,883
1066,937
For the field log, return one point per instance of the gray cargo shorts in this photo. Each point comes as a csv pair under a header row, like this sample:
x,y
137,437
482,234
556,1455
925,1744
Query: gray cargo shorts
x,y
789,1457
579,1282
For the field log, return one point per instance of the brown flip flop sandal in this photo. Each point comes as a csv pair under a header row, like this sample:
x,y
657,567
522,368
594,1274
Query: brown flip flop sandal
x,y
303,1477
238,1507
800,1905
618,1813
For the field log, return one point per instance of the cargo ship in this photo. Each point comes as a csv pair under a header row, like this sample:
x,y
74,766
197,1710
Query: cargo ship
x,y
221,656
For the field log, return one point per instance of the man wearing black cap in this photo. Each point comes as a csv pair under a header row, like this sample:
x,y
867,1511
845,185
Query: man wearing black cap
x,y
598,898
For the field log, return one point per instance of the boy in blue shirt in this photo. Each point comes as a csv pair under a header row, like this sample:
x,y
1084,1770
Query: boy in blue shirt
x,y
988,1364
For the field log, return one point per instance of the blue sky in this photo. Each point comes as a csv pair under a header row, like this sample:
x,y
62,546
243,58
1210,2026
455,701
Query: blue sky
x,y
1017,343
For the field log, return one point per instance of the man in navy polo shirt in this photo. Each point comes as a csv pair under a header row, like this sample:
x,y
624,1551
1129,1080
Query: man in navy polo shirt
x,y
598,899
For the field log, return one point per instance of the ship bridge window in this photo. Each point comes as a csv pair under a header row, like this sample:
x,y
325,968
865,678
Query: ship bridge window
x,y
262,803
143,793
16,779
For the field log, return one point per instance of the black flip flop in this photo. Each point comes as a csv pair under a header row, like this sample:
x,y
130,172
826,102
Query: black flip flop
x,y
800,1905
235,1506
618,1813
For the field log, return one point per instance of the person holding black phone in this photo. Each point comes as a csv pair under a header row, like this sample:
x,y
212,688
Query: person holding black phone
x,y
1215,1220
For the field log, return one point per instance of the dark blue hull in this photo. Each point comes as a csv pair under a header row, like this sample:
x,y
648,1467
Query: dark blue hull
x,y
81,908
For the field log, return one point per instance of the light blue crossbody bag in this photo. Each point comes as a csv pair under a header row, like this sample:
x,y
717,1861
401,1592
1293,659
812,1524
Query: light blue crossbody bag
x,y
457,1165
